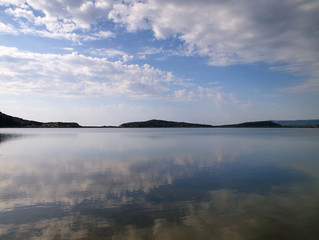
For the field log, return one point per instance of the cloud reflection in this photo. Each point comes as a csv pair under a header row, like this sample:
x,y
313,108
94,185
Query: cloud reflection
x,y
133,185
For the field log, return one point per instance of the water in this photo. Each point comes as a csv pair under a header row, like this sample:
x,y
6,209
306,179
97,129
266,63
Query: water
x,y
159,184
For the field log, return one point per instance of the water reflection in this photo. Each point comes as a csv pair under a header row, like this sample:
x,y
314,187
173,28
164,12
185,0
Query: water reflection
x,y
159,184
8,136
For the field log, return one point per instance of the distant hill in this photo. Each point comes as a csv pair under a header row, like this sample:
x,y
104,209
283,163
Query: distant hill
x,y
298,123
7,121
162,124
258,124
169,124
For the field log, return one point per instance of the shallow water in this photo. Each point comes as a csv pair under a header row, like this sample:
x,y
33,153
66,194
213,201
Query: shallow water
x,y
159,183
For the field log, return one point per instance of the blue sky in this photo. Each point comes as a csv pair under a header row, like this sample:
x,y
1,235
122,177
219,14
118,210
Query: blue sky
x,y
106,62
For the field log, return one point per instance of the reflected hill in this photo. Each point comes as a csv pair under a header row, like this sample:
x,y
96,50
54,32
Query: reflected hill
x,y
8,136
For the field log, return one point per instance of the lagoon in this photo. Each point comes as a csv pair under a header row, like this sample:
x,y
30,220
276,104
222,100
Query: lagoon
x,y
185,183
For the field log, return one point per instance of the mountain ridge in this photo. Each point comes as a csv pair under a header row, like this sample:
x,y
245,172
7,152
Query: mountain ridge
x,y
7,121
292,123
155,123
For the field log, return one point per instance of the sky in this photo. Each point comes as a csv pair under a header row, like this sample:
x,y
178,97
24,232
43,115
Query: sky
x,y
106,62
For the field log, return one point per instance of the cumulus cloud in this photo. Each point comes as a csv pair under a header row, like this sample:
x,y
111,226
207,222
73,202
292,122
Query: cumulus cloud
x,y
76,75
72,20
111,53
81,13
283,34
233,32
214,96
7,28
226,30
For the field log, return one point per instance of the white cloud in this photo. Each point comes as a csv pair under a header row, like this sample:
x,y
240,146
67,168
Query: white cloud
x,y
214,96
72,20
233,32
111,53
21,13
74,75
104,34
68,49
151,51
7,28
311,85
106,52
81,13
227,32
78,75
12,2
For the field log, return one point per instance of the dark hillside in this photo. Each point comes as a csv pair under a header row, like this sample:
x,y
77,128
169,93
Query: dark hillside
x,y
298,123
259,124
7,121
162,124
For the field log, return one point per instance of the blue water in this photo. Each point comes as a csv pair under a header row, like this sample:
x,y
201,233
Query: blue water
x,y
159,184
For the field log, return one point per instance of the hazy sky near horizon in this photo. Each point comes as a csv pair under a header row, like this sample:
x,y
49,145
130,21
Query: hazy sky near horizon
x,y
105,62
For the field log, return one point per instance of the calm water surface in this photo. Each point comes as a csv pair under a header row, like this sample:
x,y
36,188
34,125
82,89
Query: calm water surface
x,y
159,184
